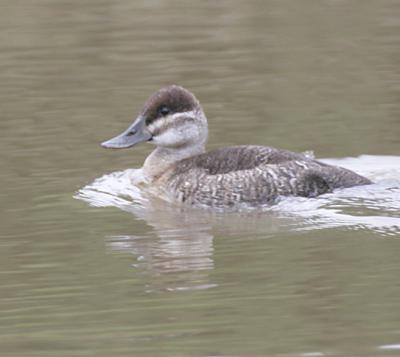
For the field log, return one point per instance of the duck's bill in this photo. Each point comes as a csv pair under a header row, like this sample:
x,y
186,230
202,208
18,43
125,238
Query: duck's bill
x,y
135,134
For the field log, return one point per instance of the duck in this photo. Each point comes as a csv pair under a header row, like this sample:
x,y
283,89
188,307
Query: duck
x,y
181,170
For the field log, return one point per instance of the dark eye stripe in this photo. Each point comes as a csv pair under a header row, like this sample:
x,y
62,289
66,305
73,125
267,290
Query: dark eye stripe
x,y
167,125
161,112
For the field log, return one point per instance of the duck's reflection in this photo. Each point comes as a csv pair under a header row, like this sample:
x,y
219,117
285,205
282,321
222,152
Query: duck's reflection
x,y
179,256
178,252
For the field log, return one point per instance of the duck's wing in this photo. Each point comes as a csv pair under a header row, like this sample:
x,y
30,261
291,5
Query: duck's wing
x,y
260,185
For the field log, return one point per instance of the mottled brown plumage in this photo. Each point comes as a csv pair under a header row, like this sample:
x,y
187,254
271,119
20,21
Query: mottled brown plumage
x,y
254,175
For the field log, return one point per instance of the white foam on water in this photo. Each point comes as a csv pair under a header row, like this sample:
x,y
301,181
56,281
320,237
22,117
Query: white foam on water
x,y
395,347
116,189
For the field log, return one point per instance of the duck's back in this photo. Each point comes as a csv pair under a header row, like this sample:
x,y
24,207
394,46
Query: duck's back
x,y
235,158
254,175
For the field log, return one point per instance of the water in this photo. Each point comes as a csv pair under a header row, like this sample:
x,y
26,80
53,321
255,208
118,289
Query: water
x,y
114,274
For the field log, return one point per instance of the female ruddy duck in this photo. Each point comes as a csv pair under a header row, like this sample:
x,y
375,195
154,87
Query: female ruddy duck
x,y
181,170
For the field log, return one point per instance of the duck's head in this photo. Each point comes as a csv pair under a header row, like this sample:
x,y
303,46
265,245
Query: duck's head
x,y
172,117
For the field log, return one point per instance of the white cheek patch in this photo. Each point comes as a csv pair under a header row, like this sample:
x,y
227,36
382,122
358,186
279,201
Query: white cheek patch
x,y
175,130
168,138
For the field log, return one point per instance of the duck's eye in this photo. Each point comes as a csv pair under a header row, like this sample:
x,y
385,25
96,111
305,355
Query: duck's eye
x,y
164,111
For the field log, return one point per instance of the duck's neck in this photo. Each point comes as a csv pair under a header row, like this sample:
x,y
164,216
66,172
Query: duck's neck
x,y
163,158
